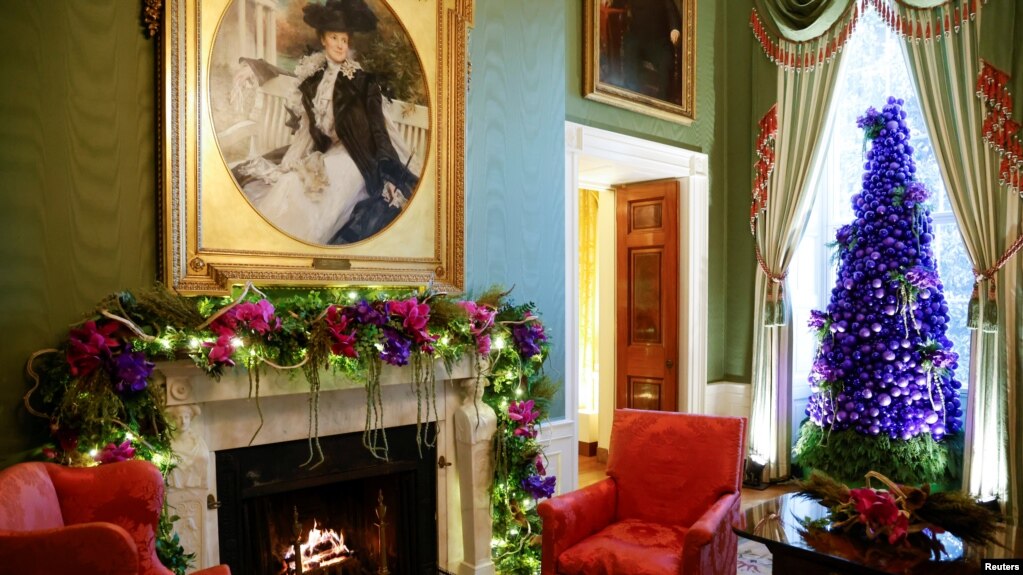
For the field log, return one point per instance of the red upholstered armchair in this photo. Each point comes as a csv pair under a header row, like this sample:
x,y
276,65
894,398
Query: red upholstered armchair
x,y
92,520
667,506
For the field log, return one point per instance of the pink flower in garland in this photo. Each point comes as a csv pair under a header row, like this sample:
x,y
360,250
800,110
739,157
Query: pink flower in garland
x,y
541,469
89,345
414,317
522,412
481,319
342,331
113,453
221,350
259,316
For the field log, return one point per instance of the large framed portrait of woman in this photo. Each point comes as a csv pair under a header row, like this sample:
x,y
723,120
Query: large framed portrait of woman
x,y
312,142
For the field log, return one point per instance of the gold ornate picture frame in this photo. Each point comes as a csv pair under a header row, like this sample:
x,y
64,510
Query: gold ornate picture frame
x,y
242,199
641,55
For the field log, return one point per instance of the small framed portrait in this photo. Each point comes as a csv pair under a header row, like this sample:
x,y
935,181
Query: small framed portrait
x,y
640,55
312,142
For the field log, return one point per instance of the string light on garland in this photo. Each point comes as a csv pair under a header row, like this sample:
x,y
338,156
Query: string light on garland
x,y
96,395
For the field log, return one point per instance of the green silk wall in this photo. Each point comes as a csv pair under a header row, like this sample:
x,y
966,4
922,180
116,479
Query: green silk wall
x,y
77,158
515,161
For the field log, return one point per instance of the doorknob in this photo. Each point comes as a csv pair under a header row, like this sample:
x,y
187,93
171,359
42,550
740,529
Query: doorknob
x,y
669,364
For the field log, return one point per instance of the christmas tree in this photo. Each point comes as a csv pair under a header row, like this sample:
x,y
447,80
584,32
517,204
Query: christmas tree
x,y
885,396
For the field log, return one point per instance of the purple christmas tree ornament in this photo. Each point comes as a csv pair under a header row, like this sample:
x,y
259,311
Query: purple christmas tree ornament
x,y
889,366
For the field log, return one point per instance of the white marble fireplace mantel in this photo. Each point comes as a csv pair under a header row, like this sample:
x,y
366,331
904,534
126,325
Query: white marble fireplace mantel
x,y
216,415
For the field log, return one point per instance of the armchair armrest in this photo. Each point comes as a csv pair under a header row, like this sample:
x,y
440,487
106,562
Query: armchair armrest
x,y
571,517
710,545
85,549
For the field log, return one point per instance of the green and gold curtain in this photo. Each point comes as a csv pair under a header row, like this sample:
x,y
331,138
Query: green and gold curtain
x,y
966,58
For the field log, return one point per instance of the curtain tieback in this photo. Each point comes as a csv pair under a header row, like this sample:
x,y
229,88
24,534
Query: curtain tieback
x,y
987,319
774,308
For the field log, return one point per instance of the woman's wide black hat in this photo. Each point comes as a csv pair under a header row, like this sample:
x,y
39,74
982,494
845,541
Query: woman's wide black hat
x,y
340,16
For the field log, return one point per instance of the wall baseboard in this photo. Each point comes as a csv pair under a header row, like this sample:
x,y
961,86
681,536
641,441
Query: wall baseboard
x,y
587,448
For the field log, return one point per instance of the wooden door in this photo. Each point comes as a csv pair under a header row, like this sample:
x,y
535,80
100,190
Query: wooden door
x,y
646,347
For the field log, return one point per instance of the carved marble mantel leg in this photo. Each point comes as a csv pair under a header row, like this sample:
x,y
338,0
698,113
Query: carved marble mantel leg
x,y
475,425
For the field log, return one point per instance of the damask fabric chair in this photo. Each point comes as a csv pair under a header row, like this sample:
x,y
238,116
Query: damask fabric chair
x,y
667,506
82,521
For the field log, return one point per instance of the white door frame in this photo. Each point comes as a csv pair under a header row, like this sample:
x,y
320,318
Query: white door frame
x,y
657,161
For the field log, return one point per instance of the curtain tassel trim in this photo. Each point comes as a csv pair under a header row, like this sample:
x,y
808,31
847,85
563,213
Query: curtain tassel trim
x,y
911,22
1001,132
988,319
764,165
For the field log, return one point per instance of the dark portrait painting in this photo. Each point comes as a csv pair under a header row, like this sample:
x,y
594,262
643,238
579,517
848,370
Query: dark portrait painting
x,y
639,55
320,110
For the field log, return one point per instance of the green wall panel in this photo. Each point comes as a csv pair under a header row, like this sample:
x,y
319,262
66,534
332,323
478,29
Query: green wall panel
x,y
515,168
76,154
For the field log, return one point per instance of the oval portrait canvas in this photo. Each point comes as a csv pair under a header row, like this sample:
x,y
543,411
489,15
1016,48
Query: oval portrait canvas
x,y
321,113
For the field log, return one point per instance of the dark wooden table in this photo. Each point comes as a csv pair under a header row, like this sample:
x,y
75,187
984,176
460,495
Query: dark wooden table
x,y
775,523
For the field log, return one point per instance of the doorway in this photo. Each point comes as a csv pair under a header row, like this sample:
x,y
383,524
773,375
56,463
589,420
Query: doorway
x,y
601,161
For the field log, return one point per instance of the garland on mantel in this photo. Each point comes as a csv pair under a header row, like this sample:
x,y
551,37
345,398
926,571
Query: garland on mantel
x,y
96,393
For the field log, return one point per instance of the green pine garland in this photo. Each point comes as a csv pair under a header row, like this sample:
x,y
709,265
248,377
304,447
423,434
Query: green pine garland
x,y
95,395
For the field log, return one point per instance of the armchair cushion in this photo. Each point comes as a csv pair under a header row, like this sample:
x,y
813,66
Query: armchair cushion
x,y
575,516
630,546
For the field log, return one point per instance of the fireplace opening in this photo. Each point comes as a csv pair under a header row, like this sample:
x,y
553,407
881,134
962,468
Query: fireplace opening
x,y
369,516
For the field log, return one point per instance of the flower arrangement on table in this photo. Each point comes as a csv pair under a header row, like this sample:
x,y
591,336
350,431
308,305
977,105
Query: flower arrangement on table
x,y
96,394
899,526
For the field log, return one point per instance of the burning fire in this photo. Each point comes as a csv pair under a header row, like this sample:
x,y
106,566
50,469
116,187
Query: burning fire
x,y
321,549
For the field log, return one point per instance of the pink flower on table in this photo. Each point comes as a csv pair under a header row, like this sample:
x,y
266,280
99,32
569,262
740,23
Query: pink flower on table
x,y
113,453
89,345
879,511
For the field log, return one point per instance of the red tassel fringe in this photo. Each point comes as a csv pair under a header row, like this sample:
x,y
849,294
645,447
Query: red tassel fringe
x,y
764,165
1001,132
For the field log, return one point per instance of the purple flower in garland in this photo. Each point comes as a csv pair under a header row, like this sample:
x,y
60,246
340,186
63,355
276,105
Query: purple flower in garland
x,y
131,372
539,487
113,453
370,313
922,278
397,347
483,344
818,319
528,335
917,193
